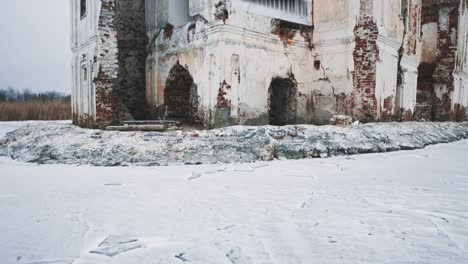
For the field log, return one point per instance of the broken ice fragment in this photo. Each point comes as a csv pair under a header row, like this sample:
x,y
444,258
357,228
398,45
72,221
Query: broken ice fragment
x,y
114,245
195,175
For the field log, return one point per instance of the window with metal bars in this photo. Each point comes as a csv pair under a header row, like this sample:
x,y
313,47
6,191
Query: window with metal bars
x,y
291,10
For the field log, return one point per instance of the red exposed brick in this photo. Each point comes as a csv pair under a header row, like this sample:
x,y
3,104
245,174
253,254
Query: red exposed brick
x,y
366,55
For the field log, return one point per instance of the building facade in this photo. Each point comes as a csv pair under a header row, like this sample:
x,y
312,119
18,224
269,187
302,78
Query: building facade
x,y
258,62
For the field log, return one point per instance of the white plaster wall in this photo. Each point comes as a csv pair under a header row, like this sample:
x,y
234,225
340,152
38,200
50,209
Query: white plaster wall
x,y
83,91
178,12
213,59
460,93
390,21
259,64
387,71
409,86
85,42
411,55
204,8
387,14
334,22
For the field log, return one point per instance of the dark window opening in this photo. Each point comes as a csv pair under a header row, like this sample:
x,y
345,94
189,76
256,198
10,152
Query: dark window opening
x,y
317,64
283,105
85,73
83,8
403,7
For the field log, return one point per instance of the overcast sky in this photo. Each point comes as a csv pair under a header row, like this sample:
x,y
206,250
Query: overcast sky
x,y
35,45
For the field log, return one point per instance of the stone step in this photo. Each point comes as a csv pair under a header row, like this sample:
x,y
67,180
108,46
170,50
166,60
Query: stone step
x,y
153,122
138,128
147,125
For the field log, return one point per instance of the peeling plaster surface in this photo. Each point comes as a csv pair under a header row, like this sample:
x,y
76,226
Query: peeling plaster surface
x,y
323,91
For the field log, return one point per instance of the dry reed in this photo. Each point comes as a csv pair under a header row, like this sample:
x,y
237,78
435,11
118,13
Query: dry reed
x,y
20,111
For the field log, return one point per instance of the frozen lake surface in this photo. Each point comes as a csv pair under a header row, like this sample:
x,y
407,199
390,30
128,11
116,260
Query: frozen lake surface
x,y
399,207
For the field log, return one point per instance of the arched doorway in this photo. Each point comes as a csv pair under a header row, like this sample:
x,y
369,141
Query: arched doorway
x,y
180,95
283,102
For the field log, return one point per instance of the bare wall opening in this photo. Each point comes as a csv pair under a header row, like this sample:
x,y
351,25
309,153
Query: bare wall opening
x,y
283,101
180,95
425,97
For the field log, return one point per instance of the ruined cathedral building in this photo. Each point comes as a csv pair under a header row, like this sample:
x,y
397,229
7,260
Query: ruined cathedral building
x,y
216,63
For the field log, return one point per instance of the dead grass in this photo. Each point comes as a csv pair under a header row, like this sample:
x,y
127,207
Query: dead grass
x,y
19,111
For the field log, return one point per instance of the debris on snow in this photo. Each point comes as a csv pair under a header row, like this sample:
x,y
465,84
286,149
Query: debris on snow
x,y
182,256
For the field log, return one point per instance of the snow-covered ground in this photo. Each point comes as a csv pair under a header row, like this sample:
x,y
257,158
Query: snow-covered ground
x,y
399,207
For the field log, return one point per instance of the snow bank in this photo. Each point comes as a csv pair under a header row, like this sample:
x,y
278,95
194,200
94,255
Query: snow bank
x,y
51,143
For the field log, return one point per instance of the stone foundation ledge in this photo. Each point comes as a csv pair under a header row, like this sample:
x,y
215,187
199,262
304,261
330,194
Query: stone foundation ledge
x,y
59,143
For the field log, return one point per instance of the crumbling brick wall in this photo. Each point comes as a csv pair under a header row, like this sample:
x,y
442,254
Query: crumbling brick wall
x,y
435,82
108,65
366,55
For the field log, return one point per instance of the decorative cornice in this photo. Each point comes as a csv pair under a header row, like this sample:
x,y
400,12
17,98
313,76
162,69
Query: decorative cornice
x,y
333,42
239,32
410,61
93,40
388,42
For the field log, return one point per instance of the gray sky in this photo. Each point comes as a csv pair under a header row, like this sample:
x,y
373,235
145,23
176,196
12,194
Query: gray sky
x,y
35,45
